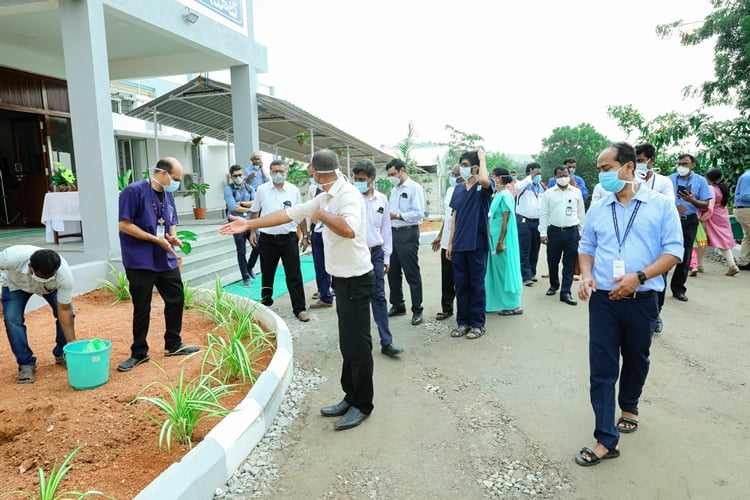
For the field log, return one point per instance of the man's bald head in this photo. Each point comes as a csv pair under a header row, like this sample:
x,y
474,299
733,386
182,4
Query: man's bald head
x,y
325,160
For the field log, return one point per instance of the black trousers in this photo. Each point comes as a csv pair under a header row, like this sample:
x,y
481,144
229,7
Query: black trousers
x,y
284,247
353,297
449,285
169,286
681,270
561,244
405,260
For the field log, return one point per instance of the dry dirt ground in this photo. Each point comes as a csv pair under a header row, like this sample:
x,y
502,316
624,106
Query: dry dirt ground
x,y
504,415
41,423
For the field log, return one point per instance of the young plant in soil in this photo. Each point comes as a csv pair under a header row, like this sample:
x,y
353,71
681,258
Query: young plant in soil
x,y
242,340
48,486
185,405
120,287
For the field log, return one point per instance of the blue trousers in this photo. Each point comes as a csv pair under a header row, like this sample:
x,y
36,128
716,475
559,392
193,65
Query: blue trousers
x,y
322,278
561,244
618,328
378,303
240,244
469,269
14,304
528,246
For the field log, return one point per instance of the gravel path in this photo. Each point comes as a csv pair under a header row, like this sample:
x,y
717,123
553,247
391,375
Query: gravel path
x,y
503,416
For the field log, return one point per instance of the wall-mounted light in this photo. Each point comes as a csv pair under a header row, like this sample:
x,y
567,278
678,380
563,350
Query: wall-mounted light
x,y
190,16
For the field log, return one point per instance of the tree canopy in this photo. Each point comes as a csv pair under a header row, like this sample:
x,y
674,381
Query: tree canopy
x,y
729,26
582,142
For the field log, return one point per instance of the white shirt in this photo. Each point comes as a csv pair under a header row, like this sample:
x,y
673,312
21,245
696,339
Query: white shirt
x,y
270,199
447,218
344,257
660,184
379,224
528,198
599,193
561,208
407,199
16,274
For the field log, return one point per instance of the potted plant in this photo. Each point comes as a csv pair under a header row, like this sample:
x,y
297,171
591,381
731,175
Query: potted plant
x,y
62,178
302,138
200,189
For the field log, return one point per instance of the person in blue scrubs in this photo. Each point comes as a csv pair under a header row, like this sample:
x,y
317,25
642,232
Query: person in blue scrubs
x,y
691,194
630,238
469,243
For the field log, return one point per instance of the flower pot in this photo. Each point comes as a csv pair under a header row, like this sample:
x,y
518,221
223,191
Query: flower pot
x,y
199,213
301,143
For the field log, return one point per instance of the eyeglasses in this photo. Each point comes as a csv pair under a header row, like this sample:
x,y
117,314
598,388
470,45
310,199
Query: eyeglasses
x,y
238,175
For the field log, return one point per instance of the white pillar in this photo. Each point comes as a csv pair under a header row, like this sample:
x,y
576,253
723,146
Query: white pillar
x,y
244,112
87,73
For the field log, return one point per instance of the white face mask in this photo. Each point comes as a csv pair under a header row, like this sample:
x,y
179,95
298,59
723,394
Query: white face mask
x,y
278,178
395,180
682,171
563,181
237,180
41,280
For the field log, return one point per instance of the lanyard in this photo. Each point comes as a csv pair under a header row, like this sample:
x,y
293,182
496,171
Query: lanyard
x,y
627,228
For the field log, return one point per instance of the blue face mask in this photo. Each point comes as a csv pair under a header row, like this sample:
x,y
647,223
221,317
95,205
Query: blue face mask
x,y
173,186
536,179
452,181
465,172
610,182
313,182
362,186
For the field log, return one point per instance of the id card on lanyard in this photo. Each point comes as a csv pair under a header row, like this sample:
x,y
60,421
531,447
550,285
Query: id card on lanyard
x,y
618,265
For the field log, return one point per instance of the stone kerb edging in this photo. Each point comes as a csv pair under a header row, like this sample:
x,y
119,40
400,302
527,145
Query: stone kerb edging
x,y
211,463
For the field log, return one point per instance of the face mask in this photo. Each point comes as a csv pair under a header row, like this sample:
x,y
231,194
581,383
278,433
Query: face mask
x,y
572,171
563,181
362,186
237,180
41,280
313,182
536,179
610,182
278,178
452,181
514,177
466,172
394,180
682,171
171,187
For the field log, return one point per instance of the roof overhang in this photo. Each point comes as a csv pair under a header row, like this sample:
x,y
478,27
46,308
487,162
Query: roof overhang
x,y
204,107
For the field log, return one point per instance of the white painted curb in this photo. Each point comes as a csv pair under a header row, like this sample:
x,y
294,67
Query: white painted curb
x,y
213,461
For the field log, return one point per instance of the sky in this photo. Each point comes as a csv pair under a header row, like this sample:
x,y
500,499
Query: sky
x,y
508,71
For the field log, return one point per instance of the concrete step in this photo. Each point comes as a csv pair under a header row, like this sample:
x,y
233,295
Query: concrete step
x,y
212,254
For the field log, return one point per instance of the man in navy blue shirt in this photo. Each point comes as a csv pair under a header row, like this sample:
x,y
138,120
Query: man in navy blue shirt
x,y
469,243
691,194
630,238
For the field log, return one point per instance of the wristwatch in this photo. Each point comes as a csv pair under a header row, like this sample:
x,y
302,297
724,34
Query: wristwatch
x,y
641,277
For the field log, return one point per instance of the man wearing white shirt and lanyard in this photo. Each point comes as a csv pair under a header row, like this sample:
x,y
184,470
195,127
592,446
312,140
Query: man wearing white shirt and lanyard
x,y
529,192
645,155
380,242
560,223
342,209
406,207
280,242
440,242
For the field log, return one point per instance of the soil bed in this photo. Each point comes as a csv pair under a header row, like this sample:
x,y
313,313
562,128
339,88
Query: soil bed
x,y
41,423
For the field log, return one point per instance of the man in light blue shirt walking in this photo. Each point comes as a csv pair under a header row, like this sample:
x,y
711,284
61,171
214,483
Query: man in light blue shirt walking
x,y
742,214
630,238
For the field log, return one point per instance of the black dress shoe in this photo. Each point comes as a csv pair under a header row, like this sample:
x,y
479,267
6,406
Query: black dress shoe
x,y
396,311
335,410
745,267
391,350
417,319
565,297
352,418
551,291
681,297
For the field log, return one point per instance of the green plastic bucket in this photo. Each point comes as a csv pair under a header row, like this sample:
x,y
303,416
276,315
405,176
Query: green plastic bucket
x,y
88,363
